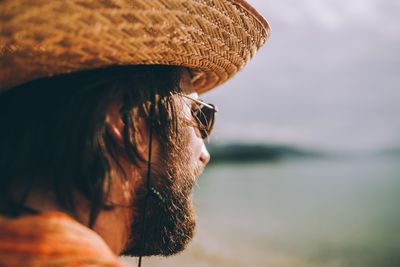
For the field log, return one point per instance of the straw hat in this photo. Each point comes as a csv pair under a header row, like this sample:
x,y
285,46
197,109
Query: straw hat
x,y
42,38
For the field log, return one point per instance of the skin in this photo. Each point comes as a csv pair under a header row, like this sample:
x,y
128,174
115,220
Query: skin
x,y
114,225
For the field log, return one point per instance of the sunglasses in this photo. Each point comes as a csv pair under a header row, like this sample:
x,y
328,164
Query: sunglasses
x,y
204,115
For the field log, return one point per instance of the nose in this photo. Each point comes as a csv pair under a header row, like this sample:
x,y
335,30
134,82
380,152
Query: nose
x,y
204,155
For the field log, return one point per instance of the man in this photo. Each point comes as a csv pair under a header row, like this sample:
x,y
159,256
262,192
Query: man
x,y
101,127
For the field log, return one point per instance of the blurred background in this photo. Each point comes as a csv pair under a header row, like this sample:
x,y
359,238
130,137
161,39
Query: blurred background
x,y
306,151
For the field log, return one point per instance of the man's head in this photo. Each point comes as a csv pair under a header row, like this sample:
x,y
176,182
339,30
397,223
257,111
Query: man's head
x,y
78,134
85,138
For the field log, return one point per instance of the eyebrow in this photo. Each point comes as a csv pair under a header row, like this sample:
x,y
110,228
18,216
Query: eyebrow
x,y
198,101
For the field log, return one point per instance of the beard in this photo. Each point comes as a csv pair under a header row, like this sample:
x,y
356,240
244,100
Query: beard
x,y
164,218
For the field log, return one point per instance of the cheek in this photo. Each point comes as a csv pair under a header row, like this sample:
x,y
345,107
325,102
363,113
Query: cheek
x,y
196,145
195,142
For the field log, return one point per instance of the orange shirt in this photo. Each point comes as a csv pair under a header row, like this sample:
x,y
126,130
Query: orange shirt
x,y
51,239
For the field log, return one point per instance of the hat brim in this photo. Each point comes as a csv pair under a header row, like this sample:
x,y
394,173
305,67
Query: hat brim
x,y
42,38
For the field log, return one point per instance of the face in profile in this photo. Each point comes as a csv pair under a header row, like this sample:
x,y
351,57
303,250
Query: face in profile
x,y
166,225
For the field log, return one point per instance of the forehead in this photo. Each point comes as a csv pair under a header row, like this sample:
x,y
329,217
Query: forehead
x,y
193,95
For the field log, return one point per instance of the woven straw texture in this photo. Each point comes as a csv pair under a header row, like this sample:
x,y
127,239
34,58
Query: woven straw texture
x,y
42,38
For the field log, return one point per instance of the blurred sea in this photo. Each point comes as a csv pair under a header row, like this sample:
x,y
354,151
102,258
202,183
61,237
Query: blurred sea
x,y
314,212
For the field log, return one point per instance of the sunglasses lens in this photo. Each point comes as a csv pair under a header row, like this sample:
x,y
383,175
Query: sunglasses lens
x,y
205,119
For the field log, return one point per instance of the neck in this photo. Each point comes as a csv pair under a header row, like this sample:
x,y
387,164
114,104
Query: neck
x,y
114,227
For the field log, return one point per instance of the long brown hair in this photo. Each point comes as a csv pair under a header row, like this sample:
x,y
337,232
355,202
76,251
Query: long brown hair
x,y
53,131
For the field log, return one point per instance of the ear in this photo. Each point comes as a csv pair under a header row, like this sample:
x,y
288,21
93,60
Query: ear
x,y
142,138
115,126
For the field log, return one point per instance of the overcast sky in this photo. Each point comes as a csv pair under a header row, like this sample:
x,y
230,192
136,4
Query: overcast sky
x,y
329,77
